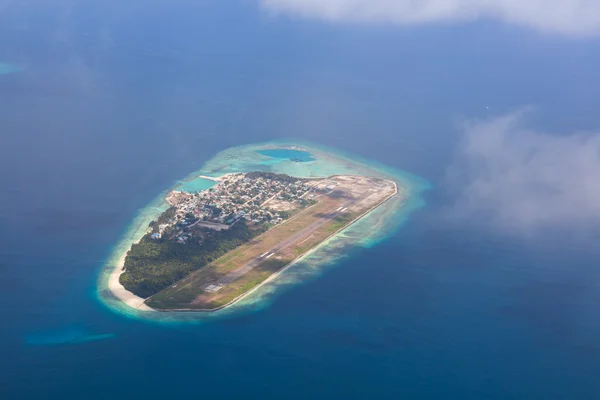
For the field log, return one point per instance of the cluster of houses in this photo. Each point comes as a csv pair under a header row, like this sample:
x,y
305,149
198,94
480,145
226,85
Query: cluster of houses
x,y
236,196
161,229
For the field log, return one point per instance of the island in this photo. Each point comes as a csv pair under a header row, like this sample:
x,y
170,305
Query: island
x,y
212,247
252,222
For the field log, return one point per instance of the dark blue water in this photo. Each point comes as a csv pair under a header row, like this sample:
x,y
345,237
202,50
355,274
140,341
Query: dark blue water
x,y
116,101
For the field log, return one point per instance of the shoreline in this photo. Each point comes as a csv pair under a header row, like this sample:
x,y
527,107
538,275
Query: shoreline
x,y
119,290
212,178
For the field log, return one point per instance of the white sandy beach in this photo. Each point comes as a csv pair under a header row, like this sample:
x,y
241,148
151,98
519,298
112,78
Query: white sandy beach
x,y
211,178
123,294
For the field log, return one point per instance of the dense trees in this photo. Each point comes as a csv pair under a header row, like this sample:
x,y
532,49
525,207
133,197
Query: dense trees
x,y
284,214
152,265
164,218
271,175
307,202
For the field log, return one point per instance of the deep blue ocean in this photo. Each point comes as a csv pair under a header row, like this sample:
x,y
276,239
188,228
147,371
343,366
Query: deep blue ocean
x,y
115,102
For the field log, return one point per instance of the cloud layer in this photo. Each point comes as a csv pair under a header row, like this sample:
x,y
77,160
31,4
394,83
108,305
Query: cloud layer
x,y
570,17
527,180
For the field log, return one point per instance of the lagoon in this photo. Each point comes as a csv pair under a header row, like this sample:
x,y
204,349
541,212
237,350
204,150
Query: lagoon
x,y
196,185
288,154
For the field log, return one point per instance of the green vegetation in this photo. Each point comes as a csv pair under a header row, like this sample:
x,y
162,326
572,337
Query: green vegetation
x,y
274,264
284,214
152,265
340,221
163,218
272,176
307,202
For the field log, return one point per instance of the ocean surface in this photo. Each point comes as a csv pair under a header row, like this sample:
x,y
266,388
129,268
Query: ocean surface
x,y
111,104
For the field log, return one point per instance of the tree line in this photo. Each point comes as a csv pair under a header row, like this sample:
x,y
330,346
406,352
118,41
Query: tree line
x,y
271,175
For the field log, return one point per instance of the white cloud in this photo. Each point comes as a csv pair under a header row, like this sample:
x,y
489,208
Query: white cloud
x,y
571,17
522,179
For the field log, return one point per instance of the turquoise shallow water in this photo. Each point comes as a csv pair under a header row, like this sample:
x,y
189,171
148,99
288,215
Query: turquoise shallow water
x,y
367,232
67,335
197,185
288,154
7,68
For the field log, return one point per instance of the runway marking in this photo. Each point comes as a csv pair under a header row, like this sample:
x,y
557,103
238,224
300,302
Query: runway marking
x,y
269,256
306,239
